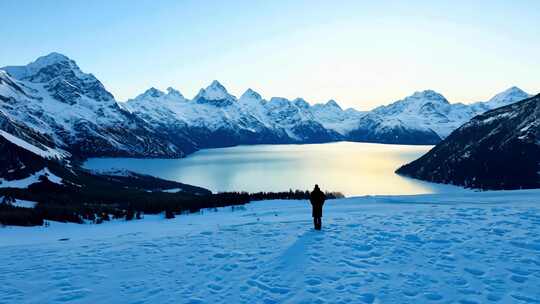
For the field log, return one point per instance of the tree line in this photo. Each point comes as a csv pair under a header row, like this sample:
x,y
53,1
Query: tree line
x,y
70,204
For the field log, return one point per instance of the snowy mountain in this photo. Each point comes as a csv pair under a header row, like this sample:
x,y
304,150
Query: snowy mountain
x,y
499,149
215,94
53,97
333,117
60,106
391,130
511,95
425,117
215,118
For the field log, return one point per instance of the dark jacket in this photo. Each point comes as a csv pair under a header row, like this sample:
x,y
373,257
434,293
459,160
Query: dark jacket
x,y
317,199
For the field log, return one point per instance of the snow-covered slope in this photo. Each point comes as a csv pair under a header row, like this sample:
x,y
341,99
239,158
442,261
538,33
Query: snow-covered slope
x,y
43,151
30,180
509,96
499,149
452,248
23,152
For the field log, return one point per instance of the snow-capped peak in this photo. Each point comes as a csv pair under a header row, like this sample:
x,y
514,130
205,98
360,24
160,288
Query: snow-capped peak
x,y
50,59
508,96
215,91
250,94
152,92
332,103
216,84
215,94
174,93
62,78
415,103
428,95
301,103
34,67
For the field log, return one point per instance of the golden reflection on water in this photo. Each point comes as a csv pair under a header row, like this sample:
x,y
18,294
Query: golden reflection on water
x,y
351,168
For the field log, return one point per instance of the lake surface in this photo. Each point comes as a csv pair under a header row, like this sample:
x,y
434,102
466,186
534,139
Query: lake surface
x,y
351,168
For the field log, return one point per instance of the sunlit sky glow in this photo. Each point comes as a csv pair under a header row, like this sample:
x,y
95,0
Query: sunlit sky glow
x,y
361,53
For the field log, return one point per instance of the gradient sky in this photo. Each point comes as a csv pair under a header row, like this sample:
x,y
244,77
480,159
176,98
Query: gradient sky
x,y
361,53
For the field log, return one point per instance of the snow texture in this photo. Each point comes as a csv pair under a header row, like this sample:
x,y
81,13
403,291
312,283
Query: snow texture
x,y
20,203
455,248
172,190
32,179
47,153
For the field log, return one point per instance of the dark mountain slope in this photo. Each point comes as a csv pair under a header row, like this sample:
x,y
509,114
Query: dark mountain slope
x,y
499,149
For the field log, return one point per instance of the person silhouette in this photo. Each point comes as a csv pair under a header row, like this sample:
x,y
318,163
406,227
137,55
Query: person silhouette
x,y
317,199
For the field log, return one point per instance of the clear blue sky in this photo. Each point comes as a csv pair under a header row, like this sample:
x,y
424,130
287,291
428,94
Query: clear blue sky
x,y
361,53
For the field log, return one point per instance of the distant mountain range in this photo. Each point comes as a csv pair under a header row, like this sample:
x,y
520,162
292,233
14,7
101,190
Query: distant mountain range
x,y
51,102
499,149
423,118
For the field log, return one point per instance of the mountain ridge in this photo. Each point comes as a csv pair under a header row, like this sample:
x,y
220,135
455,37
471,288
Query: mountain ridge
x,y
53,97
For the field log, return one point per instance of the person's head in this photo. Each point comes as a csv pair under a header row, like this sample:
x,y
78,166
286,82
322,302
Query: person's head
x,y
316,187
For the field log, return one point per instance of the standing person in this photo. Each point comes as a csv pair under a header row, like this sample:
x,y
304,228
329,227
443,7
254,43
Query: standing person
x,y
317,199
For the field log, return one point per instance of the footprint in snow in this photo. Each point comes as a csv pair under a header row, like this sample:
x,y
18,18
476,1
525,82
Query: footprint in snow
x,y
475,272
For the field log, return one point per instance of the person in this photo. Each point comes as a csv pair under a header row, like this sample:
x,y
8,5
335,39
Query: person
x,y
317,199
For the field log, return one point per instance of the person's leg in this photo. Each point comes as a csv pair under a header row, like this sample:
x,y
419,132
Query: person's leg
x,y
315,223
318,223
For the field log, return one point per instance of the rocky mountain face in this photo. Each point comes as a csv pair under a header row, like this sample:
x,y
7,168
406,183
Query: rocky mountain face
x,y
499,149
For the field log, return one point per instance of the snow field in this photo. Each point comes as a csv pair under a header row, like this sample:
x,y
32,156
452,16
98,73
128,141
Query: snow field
x,y
32,179
455,248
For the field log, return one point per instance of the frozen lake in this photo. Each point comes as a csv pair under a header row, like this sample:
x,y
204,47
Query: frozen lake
x,y
351,168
